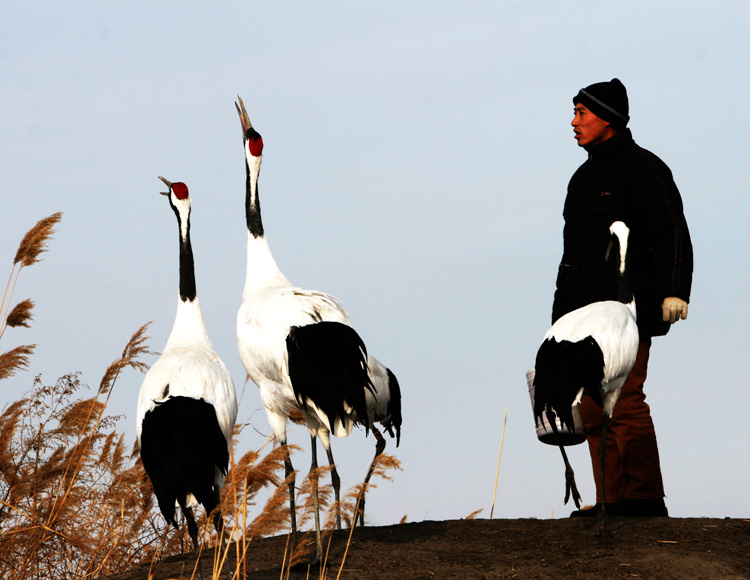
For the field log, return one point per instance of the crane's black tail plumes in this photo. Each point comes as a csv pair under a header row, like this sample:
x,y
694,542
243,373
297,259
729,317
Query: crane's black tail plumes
x,y
394,407
182,446
328,366
562,369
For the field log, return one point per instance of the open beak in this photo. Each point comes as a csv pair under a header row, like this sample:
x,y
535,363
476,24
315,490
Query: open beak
x,y
169,185
244,119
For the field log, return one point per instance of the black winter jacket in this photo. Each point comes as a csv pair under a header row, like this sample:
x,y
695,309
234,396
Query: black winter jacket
x,y
622,181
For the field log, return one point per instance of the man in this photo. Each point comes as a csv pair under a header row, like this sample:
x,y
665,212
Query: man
x,y
622,181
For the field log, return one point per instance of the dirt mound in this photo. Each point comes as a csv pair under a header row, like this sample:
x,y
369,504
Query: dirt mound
x,y
660,548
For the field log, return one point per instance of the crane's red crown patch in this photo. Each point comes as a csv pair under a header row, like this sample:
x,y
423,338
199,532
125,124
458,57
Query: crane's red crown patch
x,y
180,190
255,144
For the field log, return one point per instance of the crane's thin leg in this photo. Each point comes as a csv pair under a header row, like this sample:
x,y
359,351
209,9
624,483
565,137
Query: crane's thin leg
x,y
289,475
570,480
192,526
193,531
215,510
316,502
379,448
336,482
602,457
219,525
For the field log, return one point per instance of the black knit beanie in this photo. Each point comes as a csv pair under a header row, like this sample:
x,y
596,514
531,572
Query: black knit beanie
x,y
608,101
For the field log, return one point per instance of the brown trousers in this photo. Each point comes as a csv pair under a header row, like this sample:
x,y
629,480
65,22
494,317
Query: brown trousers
x,y
632,469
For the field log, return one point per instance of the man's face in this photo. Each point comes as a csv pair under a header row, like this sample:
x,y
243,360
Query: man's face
x,y
590,129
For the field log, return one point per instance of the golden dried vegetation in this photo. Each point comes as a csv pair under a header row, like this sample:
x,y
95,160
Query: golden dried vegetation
x,y
75,501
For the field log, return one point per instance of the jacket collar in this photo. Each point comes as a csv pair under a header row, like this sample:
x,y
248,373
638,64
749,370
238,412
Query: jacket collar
x,y
611,146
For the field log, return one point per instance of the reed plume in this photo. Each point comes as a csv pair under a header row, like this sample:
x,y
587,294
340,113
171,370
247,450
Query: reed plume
x,y
21,314
351,501
245,481
15,360
135,348
34,242
32,245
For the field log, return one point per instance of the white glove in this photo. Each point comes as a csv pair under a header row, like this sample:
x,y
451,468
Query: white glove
x,y
673,309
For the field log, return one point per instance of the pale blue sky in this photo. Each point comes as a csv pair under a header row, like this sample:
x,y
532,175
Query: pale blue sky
x,y
415,164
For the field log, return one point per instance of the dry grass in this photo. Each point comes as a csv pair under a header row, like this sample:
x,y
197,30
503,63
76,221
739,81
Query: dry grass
x,y
32,245
14,360
34,242
21,314
75,501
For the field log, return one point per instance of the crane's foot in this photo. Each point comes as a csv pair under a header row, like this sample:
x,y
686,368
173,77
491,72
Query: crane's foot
x,y
571,490
192,527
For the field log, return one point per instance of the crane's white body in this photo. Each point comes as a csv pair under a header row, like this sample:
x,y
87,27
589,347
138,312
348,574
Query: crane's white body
x,y
190,367
270,307
612,325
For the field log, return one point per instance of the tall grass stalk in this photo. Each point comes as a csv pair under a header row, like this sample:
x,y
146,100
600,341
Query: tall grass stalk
x,y
499,459
33,244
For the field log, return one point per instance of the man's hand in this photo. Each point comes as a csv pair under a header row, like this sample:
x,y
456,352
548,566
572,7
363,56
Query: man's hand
x,y
673,309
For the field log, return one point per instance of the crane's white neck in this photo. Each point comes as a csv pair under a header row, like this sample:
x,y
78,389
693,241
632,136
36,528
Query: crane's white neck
x,y
262,270
189,326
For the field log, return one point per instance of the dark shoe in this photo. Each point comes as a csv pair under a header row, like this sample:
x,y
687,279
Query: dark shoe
x,y
639,508
592,512
627,508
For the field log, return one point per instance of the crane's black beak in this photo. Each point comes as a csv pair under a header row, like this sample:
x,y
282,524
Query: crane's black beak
x,y
169,185
244,119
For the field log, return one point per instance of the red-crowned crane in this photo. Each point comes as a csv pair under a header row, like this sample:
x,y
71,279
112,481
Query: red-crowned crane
x,y
299,348
592,350
187,405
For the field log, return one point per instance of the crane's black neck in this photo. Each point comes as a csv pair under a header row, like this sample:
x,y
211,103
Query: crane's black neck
x,y
252,206
624,285
188,291
624,288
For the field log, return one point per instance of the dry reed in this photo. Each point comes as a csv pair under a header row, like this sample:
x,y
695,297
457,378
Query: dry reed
x,y
14,360
71,503
21,314
32,245
34,242
499,458
76,504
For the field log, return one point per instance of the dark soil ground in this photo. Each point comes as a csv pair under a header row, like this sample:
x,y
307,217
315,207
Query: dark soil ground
x,y
659,548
